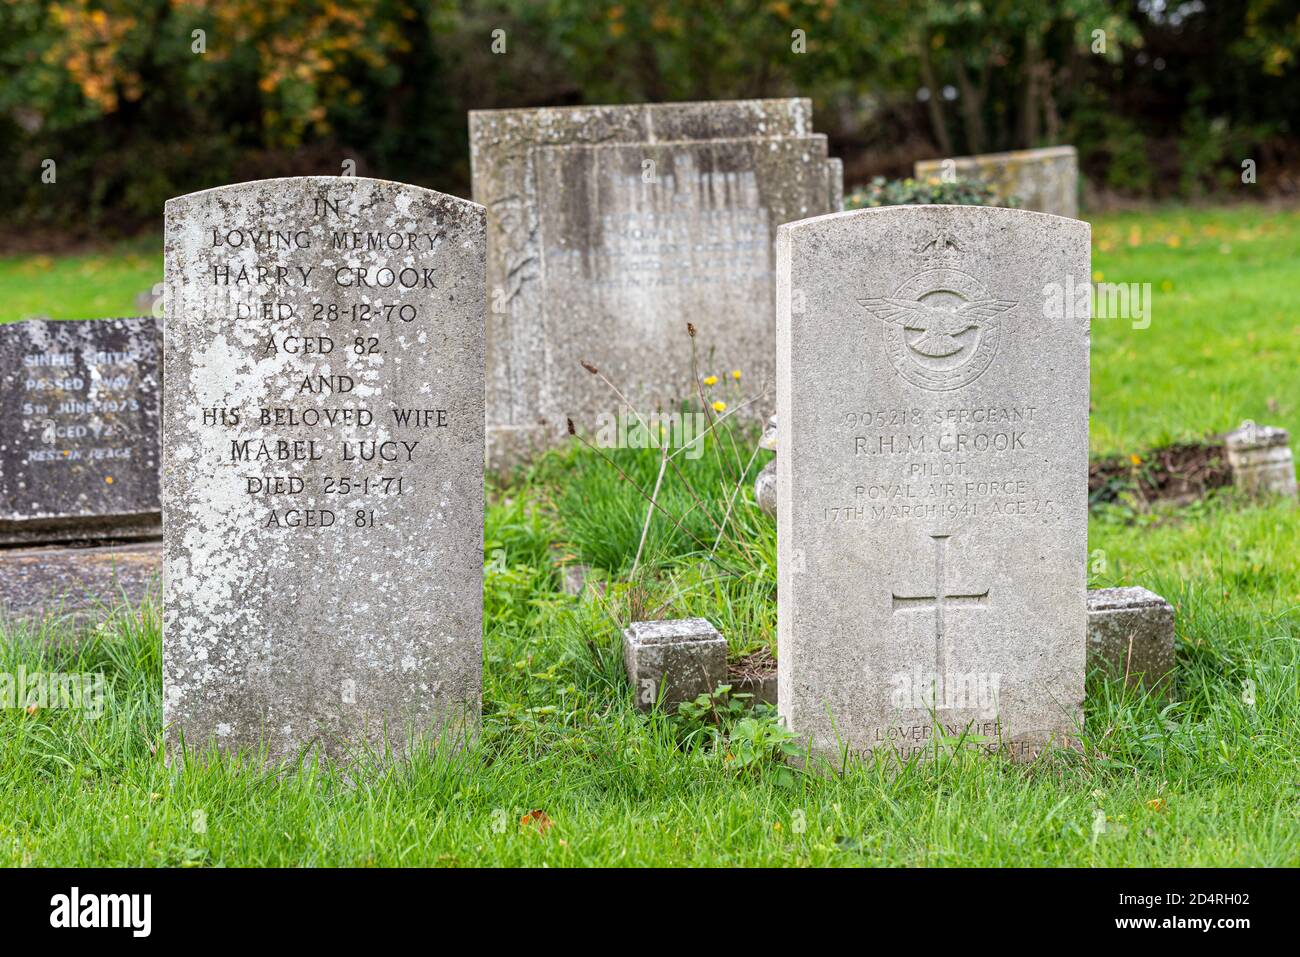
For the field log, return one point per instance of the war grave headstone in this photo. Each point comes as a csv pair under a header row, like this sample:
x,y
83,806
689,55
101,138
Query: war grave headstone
x,y
1045,180
78,464
611,227
323,466
932,394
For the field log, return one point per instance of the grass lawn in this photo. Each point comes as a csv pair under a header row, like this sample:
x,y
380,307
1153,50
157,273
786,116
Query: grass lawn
x,y
569,772
1224,339
84,286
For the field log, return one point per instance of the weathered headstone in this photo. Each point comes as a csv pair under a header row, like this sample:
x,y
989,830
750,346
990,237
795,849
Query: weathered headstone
x,y
932,395
611,227
625,263
1045,180
79,451
323,453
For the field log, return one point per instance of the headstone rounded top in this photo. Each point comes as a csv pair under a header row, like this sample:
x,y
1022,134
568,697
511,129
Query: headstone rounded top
x,y
283,183
936,211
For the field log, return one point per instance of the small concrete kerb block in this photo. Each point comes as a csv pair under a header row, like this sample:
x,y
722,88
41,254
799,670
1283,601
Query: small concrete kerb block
x,y
1131,632
1260,456
682,658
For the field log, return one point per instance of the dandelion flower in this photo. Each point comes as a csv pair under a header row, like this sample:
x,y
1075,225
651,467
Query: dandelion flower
x,y
711,380
1135,459
735,374
719,406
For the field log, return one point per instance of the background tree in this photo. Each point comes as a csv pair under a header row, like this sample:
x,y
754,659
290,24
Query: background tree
x,y
1161,98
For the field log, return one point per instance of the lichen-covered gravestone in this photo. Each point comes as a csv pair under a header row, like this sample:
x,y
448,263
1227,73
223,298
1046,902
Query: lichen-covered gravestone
x,y
932,393
610,228
1045,180
323,461
79,449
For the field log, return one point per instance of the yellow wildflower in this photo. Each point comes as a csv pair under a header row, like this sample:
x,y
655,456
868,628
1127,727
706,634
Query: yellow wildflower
x,y
719,406
711,380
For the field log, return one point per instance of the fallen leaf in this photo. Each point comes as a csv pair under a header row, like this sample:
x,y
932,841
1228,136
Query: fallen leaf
x,y
537,819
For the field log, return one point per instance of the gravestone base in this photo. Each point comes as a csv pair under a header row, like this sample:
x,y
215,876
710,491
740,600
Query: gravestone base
x,y
669,662
82,530
78,586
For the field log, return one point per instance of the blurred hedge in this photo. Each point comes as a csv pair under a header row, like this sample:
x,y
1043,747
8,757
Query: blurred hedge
x,y
134,104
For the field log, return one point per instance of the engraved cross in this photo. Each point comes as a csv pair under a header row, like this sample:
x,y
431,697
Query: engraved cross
x,y
939,601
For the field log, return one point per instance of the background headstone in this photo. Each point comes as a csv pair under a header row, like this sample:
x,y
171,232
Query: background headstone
x,y
627,263
932,395
1261,460
667,163
1045,180
835,180
323,450
79,448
